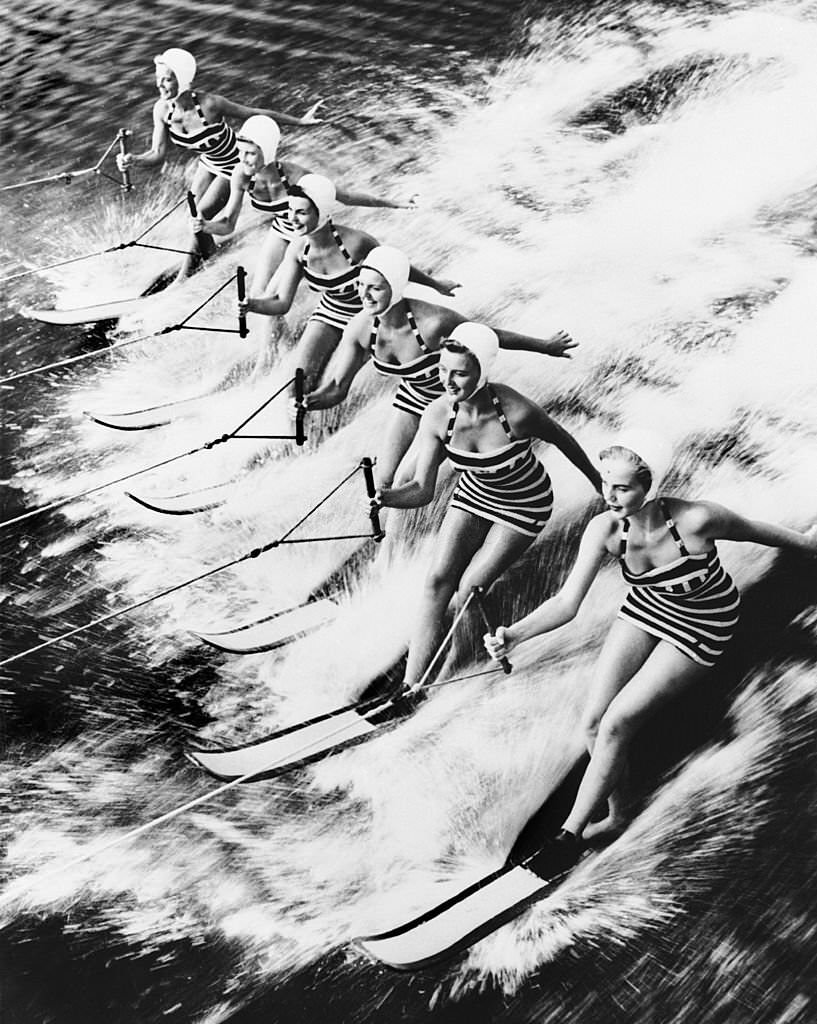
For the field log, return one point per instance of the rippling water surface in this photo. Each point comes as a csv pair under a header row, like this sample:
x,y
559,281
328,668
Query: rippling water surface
x,y
643,175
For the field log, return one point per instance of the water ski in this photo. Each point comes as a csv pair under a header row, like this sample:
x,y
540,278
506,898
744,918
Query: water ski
x,y
457,923
143,419
272,631
186,503
85,314
103,311
306,742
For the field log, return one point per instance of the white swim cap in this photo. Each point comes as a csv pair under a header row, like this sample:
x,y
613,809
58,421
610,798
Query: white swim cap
x,y
182,63
264,132
322,193
482,343
654,450
393,265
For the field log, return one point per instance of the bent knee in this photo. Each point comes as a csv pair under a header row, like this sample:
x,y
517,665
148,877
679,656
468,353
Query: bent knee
x,y
618,724
589,725
438,584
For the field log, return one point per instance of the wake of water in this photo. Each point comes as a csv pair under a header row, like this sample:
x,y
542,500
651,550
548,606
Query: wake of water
x,y
646,181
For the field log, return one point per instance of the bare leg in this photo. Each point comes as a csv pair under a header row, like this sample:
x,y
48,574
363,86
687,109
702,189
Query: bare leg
x,y
500,550
401,431
261,327
665,674
315,346
623,653
460,536
269,259
211,194
263,283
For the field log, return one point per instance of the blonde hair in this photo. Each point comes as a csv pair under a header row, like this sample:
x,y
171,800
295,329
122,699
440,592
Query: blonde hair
x,y
643,473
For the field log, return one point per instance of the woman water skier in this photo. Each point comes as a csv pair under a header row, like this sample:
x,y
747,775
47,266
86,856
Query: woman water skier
x,y
503,498
403,337
196,121
328,257
267,180
676,620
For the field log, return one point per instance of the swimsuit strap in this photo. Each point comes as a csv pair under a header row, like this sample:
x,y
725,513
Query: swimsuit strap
x,y
413,325
503,419
498,409
196,105
673,529
340,244
622,544
198,109
339,241
450,428
281,175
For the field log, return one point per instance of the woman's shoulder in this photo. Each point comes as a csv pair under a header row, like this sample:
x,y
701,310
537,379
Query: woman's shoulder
x,y
359,243
240,179
210,102
436,415
694,517
435,322
293,171
604,531
295,249
161,109
518,408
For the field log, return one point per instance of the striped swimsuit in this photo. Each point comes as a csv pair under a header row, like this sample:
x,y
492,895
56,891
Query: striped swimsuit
x,y
508,485
419,378
280,224
691,603
339,299
215,143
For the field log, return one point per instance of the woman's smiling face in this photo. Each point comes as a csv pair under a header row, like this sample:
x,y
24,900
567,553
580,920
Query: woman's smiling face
x,y
303,213
459,374
166,82
373,290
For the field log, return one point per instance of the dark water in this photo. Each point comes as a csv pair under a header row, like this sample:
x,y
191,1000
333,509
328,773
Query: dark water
x,y
641,174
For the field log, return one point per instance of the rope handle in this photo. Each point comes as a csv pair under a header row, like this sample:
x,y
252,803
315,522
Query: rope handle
x,y
241,289
300,411
374,513
479,595
122,138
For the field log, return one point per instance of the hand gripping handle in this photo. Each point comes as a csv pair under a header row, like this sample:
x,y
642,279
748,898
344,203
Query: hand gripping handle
x,y
241,288
300,412
479,595
371,490
123,137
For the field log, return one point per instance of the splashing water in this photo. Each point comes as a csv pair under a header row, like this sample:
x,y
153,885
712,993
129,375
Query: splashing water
x,y
643,178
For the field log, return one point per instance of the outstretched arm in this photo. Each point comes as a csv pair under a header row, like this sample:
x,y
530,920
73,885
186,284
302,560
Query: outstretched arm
x,y
351,355
539,424
441,285
240,110
349,198
723,524
563,606
558,344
